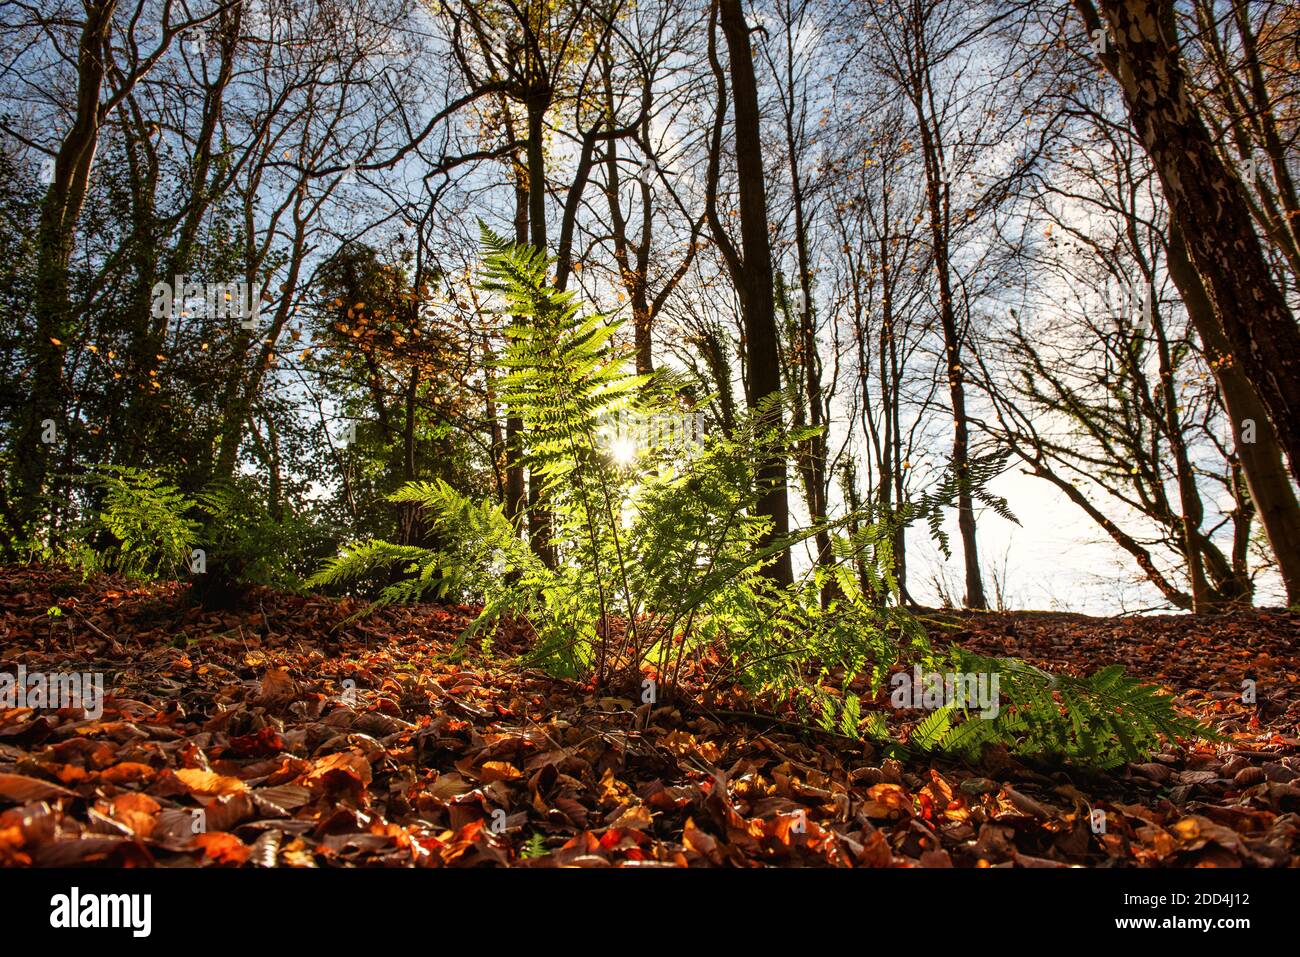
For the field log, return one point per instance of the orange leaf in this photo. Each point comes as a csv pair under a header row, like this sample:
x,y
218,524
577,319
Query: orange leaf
x,y
498,771
340,765
139,812
209,783
127,772
223,848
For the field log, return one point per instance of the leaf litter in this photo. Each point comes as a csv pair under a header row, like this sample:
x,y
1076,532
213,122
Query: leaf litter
x,y
291,734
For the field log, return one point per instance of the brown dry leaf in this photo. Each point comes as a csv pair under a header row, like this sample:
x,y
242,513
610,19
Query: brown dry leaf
x,y
313,782
875,850
175,829
19,789
349,766
1027,860
700,842
682,742
449,786
1025,804
278,801
937,857
118,851
634,817
278,687
666,799
1160,842
138,812
265,848
229,810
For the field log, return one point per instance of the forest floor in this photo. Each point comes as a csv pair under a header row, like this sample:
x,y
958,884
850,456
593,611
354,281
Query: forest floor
x,y
306,740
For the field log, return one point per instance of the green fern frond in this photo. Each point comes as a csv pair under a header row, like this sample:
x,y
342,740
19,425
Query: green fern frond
x,y
1099,721
931,732
148,518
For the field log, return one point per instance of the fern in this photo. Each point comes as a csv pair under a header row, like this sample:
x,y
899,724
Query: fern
x,y
145,527
534,848
562,373
359,560
850,716
674,549
980,471
246,544
480,548
653,561
146,518
1100,721
931,732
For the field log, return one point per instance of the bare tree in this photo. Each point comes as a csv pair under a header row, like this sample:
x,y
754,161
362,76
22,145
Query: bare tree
x,y
750,264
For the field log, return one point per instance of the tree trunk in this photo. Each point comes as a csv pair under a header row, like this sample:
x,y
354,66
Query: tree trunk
x,y
137,413
938,209
539,100
754,276
409,516
813,454
59,213
1261,459
632,274
1208,202
143,407
1191,511
514,424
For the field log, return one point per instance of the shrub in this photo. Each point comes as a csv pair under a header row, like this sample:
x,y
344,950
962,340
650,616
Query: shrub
x,y
145,527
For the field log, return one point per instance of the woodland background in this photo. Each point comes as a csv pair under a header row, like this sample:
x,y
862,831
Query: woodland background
x,y
635,392
946,229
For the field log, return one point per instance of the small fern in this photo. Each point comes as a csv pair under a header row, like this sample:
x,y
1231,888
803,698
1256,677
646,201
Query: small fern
x,y
1099,721
146,518
980,471
246,544
932,732
470,564
145,527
